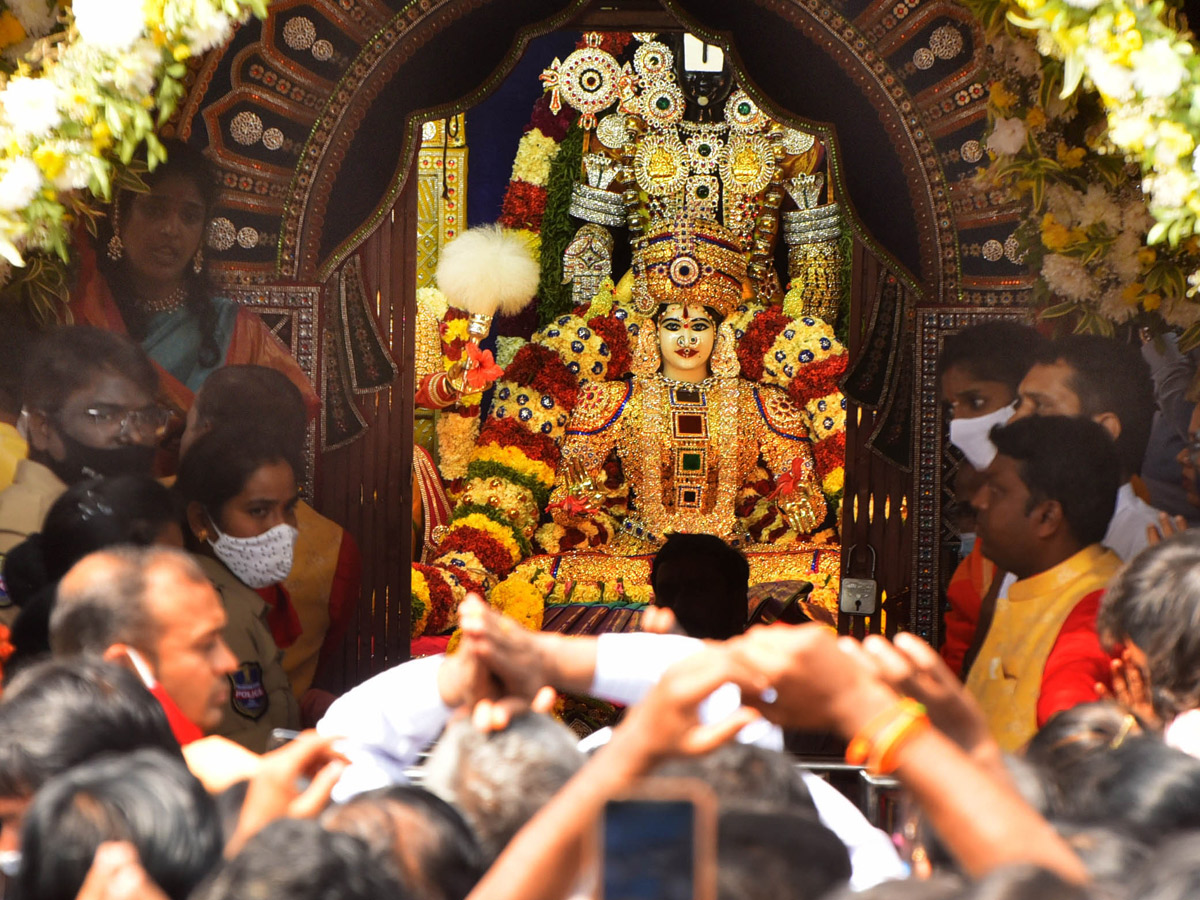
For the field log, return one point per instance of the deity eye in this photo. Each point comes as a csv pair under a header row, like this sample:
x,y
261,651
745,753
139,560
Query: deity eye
x,y
671,325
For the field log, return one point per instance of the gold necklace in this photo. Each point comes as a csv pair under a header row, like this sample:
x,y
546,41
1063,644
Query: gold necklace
x,y
169,303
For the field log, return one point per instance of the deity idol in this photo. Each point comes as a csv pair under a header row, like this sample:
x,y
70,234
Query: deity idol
x,y
685,445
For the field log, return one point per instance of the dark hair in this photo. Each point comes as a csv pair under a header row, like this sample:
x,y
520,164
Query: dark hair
x,y
1062,750
1069,460
1110,376
1143,785
183,161
1109,853
296,859
254,397
16,337
217,466
423,837
66,360
705,582
1172,873
1155,603
147,798
1000,351
764,856
746,777
1024,881
60,712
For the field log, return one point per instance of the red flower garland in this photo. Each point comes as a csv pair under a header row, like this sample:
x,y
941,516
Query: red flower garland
x,y
509,432
614,334
759,337
830,454
813,380
441,599
542,370
523,206
549,124
465,539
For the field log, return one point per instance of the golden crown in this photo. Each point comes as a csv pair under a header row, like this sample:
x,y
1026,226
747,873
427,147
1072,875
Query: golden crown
x,y
696,262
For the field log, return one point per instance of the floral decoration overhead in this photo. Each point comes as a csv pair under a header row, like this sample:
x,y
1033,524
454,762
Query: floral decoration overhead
x,y
86,83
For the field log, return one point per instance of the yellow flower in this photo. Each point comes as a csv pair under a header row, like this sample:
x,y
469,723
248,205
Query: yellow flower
x,y
50,161
1151,302
1069,157
454,330
1055,235
533,241
519,600
11,31
101,136
181,52
1000,97
535,152
834,481
1035,118
1174,139
1146,257
515,459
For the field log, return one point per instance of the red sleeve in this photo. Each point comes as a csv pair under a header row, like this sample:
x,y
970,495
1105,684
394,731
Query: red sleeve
x,y
1076,662
964,597
343,595
253,343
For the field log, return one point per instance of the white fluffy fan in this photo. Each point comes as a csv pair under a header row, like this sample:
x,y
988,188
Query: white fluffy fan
x,y
487,270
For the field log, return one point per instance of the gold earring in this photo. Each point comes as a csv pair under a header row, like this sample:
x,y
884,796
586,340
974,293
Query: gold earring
x,y
198,261
724,361
116,249
648,358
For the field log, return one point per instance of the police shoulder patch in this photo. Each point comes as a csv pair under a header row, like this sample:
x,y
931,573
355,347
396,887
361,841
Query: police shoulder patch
x,y
249,695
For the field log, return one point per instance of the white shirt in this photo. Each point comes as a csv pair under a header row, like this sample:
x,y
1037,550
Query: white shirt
x,y
1126,535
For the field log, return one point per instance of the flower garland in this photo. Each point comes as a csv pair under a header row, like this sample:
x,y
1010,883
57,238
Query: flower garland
x,y
419,604
82,103
1060,151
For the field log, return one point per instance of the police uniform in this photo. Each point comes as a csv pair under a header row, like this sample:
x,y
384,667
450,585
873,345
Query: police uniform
x,y
260,695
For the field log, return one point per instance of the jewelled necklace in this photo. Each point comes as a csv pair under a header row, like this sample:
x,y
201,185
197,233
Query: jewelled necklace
x,y
708,382
169,303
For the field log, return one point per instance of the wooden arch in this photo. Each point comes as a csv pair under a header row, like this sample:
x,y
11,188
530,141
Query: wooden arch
x,y
314,118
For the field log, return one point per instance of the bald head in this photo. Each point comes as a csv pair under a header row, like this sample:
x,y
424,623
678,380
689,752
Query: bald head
x,y
110,597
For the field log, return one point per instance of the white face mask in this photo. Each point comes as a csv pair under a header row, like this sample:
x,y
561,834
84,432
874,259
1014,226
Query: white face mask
x,y
971,436
10,863
258,561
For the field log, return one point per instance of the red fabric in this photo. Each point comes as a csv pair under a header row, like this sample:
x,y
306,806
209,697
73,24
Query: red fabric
x,y
281,615
429,645
184,729
434,392
1076,662
964,597
344,594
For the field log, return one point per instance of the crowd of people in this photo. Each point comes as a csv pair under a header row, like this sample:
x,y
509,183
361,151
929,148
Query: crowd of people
x,y
161,735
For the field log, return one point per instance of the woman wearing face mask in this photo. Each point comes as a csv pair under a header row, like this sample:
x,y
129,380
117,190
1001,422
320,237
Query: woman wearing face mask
x,y
979,371
240,493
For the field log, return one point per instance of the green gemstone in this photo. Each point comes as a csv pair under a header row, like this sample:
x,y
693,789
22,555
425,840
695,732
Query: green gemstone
x,y
691,462
704,150
702,191
743,108
663,103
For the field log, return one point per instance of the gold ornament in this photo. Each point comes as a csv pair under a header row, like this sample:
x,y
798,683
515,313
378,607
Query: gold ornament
x,y
116,248
697,262
198,261
724,360
648,358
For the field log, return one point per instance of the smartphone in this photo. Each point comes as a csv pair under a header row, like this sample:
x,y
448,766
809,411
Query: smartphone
x,y
660,843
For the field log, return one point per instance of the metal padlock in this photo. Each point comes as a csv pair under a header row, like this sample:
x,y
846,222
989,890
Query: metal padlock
x,y
858,596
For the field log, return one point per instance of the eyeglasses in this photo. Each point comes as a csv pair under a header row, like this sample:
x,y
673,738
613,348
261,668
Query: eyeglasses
x,y
149,421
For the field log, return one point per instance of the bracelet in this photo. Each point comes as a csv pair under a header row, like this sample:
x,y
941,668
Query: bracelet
x,y
877,744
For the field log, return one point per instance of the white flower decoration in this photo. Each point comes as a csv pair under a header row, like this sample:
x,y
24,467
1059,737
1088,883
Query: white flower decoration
x,y
111,25
1007,137
1157,71
20,184
31,106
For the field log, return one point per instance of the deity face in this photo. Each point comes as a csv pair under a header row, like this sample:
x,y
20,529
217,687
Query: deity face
x,y
685,336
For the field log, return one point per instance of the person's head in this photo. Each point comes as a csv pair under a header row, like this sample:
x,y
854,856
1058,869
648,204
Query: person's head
x,y
1189,459
16,337
1153,608
980,368
297,859
763,856
499,780
1062,749
241,496
704,582
1049,492
158,603
1142,785
147,798
424,838
90,398
103,512
244,398
745,777
1101,379
58,713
